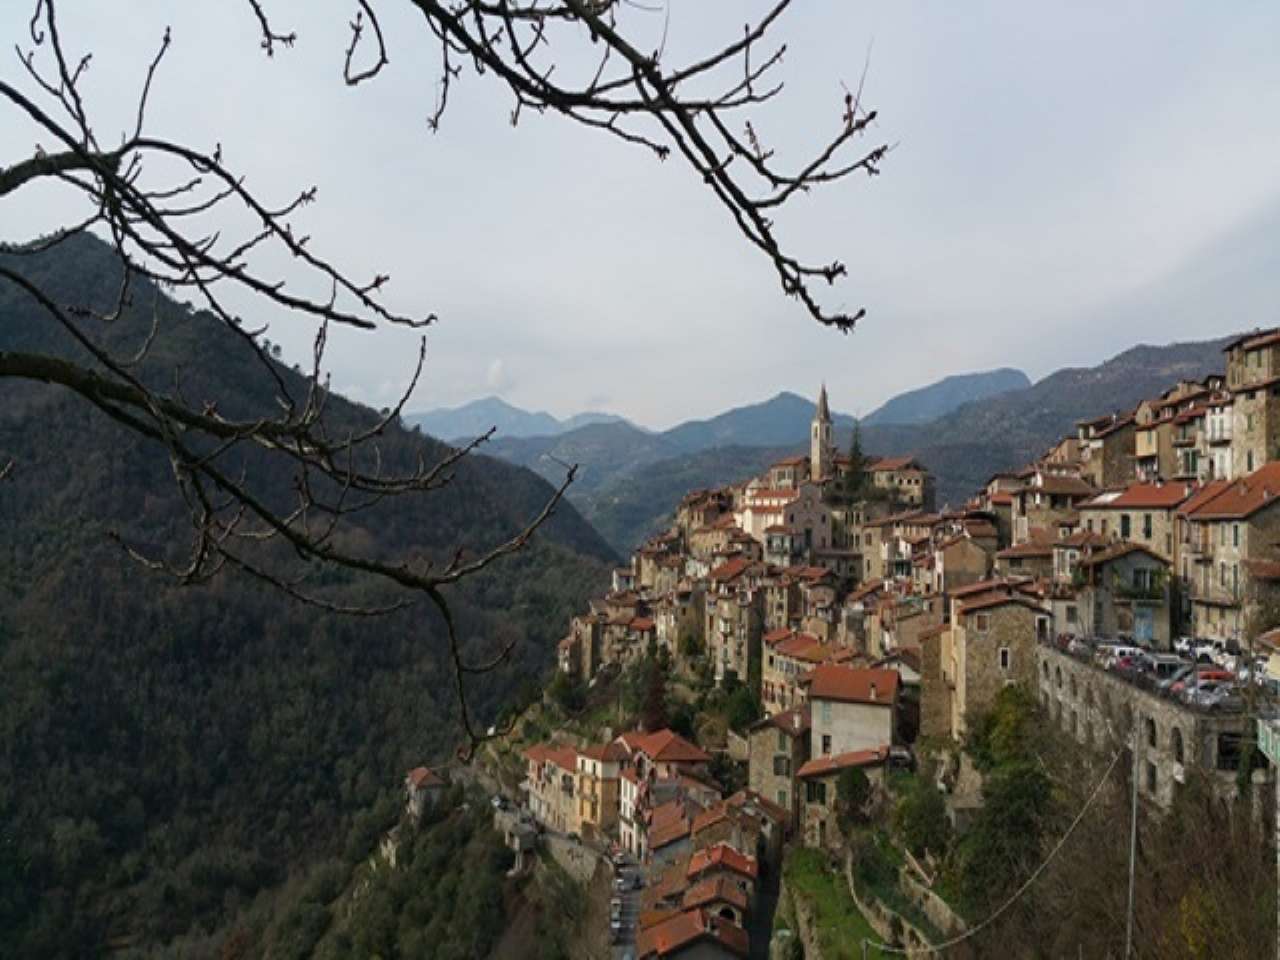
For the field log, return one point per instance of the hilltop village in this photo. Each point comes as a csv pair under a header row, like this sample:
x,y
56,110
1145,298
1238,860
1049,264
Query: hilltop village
x,y
864,630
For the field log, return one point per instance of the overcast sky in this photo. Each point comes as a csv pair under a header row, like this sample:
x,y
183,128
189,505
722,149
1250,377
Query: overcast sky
x,y
1067,180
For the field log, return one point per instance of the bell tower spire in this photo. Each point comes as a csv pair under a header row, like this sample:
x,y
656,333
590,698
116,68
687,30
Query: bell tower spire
x,y
820,453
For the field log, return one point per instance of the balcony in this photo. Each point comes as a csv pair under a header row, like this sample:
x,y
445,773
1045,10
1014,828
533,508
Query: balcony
x,y
1213,594
1220,435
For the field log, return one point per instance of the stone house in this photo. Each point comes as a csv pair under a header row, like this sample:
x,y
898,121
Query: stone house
x,y
1106,449
821,777
778,746
1033,558
733,633
1229,532
851,709
1045,498
1218,429
787,656
678,615
1067,551
1141,513
647,760
1153,440
599,770
1253,379
1125,592
990,644
905,481
935,695
550,786
959,561
423,789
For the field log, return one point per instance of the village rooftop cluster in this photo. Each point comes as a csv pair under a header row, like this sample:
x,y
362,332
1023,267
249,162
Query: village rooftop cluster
x,y
1126,568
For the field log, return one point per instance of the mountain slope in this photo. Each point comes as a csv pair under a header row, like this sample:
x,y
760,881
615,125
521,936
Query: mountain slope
x,y
783,419
170,756
963,448
472,419
967,445
940,398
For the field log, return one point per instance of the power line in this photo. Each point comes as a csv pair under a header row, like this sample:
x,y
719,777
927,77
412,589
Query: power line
x,y
1035,875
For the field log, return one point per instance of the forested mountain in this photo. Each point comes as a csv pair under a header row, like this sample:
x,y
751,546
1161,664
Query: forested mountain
x,y
940,398
169,756
629,490
474,418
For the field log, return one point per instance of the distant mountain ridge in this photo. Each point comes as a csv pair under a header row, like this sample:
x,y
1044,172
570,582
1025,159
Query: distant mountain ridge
x,y
630,481
940,398
474,418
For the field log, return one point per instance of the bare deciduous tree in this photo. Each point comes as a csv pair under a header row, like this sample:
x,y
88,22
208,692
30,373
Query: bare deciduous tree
x,y
152,198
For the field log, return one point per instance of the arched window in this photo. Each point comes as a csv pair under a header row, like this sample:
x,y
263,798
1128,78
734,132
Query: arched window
x,y
1045,670
1074,690
1177,745
1058,672
1151,732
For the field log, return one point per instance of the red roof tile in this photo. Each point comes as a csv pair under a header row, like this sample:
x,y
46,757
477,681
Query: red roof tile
x,y
664,746
722,855
1243,498
420,777
715,890
822,766
686,928
831,681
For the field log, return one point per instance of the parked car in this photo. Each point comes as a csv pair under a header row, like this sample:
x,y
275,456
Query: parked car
x,y
1205,675
1226,698
1201,694
1167,684
1164,665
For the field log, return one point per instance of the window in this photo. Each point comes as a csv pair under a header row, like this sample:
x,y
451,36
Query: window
x,y
1124,526
815,792
782,766
1248,459
1177,745
825,710
826,744
782,800
1072,617
1235,535
1151,778
1004,658
1146,526
783,745
982,622
1151,732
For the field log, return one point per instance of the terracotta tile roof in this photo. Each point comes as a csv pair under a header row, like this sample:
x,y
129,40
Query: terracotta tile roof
x,y
831,681
420,777
642,624
686,928
981,586
743,798
664,746
1026,550
1264,339
791,461
730,570
1263,569
774,636
803,646
794,722
669,829
603,752
722,855
824,766
868,588
566,758
715,890
1001,600
1270,640
1002,499
1243,498
1202,496
1140,496
1116,551
1081,538
673,882
894,463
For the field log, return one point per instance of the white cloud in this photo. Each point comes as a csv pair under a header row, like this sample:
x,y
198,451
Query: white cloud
x,y
498,378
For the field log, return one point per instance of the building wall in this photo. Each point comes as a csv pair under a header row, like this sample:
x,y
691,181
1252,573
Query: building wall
x,y
849,726
935,692
979,676
1099,709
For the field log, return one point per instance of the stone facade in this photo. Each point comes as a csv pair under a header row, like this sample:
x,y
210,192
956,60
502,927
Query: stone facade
x,y
991,645
1099,709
